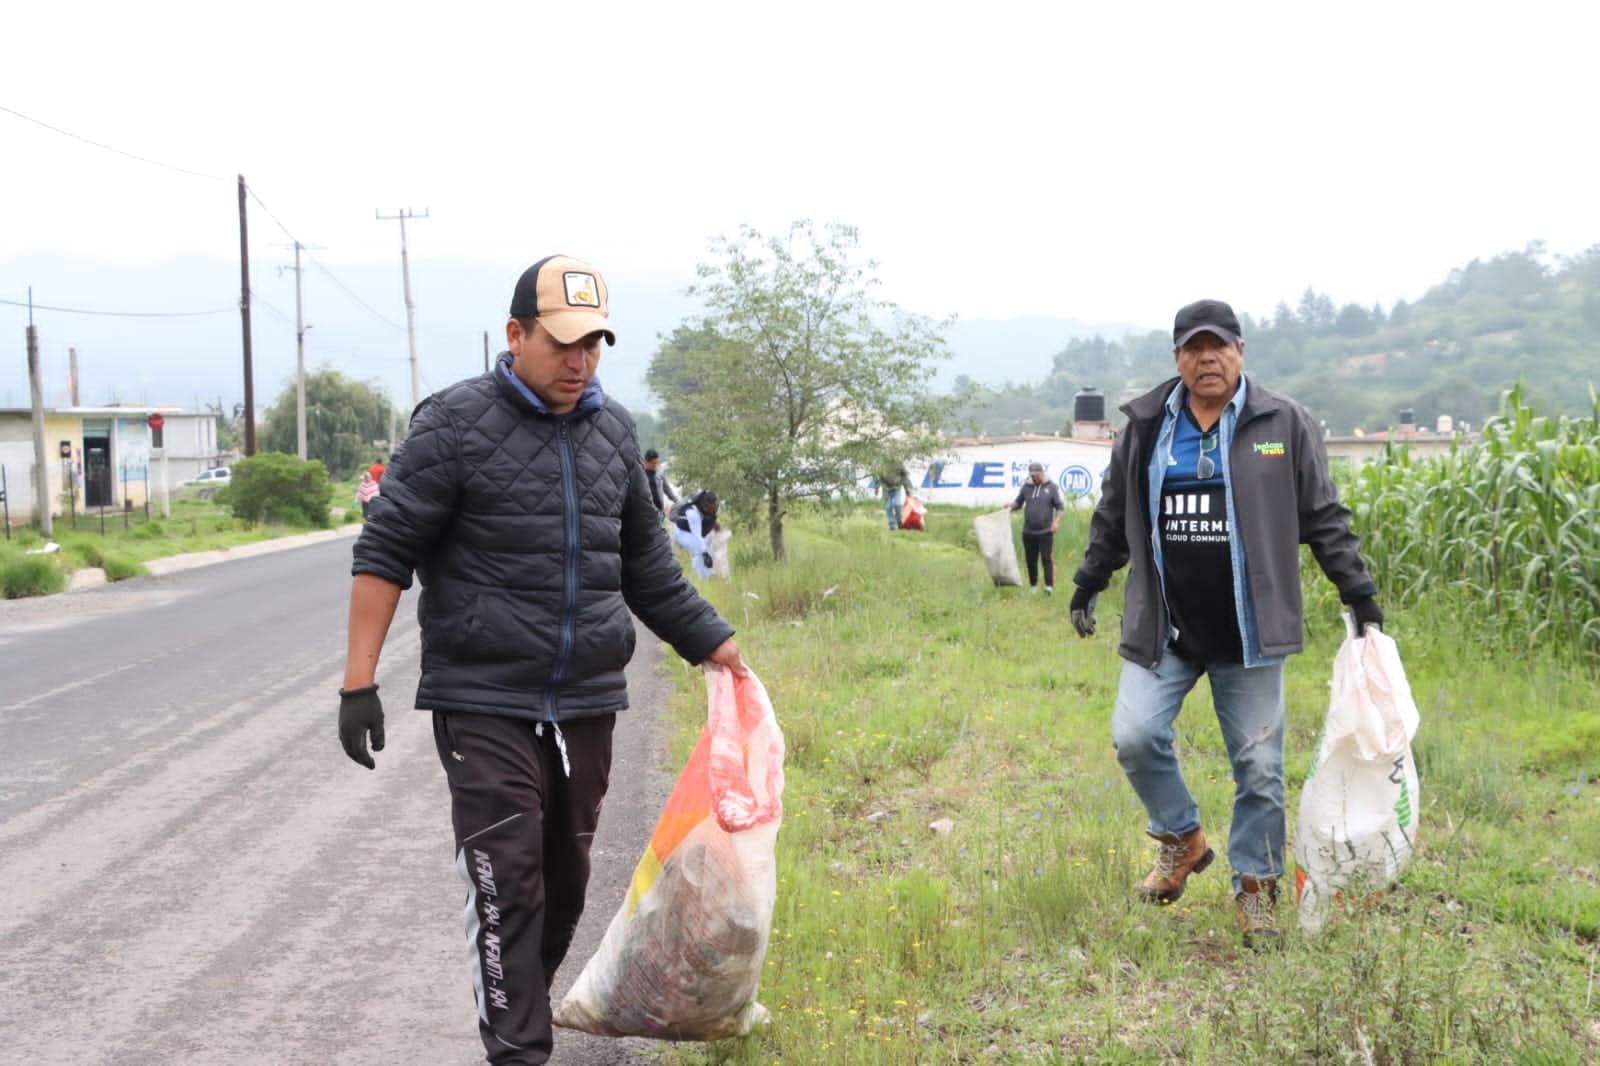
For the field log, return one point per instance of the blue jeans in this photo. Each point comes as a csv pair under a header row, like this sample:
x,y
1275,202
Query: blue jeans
x,y
891,507
1250,709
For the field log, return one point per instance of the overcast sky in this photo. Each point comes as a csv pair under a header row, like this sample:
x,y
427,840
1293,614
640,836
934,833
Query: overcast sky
x,y
1105,162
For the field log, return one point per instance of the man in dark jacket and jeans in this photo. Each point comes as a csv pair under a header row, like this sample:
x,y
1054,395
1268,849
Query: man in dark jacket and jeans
x,y
1042,506
1213,485
519,500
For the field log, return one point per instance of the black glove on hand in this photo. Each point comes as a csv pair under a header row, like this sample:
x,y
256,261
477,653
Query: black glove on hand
x,y
705,557
1366,613
360,713
1082,607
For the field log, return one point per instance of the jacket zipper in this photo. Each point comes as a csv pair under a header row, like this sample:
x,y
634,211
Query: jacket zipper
x,y
569,600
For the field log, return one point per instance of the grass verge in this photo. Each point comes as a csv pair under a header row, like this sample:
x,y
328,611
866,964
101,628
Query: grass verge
x,y
913,692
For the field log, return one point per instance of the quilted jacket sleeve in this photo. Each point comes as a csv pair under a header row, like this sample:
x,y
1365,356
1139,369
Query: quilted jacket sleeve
x,y
653,583
420,494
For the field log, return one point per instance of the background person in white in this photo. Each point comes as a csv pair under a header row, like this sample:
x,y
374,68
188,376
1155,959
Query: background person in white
x,y
693,527
1214,483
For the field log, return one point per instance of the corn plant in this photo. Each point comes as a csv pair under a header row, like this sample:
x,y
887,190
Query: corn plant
x,y
1506,531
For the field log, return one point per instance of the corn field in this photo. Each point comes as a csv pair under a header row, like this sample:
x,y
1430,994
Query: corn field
x,y
1506,531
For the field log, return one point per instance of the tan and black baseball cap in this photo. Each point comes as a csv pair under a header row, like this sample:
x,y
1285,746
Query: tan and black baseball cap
x,y
567,296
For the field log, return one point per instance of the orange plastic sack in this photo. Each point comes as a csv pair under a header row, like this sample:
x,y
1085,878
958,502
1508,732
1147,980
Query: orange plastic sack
x,y
682,958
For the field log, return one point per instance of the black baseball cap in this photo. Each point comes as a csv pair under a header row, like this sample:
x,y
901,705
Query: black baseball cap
x,y
1205,316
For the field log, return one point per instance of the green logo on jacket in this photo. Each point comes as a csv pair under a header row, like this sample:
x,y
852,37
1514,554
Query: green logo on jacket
x,y
1269,447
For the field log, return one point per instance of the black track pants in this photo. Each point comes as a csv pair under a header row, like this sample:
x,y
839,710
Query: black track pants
x,y
1040,547
523,830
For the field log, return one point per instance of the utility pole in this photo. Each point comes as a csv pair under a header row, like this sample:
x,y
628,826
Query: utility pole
x,y
485,351
299,359
72,371
405,274
41,469
244,316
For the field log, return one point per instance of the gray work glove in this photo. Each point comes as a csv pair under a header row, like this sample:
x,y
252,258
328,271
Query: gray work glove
x,y
1082,607
360,713
705,557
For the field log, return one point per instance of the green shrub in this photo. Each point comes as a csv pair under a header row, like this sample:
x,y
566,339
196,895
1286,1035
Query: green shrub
x,y
81,551
29,575
273,487
119,567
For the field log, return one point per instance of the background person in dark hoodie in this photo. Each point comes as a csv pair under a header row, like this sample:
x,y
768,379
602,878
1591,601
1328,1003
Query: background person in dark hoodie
x,y
519,500
660,488
1042,506
1214,484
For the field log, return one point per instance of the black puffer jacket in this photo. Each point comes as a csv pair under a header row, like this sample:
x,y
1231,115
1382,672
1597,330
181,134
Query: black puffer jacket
x,y
533,536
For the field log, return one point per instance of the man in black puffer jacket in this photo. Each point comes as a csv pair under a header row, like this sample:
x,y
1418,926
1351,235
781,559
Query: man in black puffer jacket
x,y
519,500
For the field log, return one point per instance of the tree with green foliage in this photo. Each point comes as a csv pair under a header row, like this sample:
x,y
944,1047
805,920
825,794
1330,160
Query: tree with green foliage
x,y
347,422
273,487
799,379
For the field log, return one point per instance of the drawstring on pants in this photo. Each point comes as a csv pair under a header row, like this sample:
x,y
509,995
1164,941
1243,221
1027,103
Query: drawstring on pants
x,y
561,745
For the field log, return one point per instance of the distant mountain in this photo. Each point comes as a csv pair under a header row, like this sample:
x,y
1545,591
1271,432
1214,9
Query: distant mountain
x,y
997,352
1447,357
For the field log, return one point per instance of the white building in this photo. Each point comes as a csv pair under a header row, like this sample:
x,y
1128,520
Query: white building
x,y
108,457
989,471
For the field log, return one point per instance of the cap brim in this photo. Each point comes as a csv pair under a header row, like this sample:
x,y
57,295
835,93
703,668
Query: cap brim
x,y
570,327
1231,338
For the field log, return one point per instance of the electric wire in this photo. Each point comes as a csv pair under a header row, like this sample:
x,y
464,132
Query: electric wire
x,y
350,293
119,314
108,148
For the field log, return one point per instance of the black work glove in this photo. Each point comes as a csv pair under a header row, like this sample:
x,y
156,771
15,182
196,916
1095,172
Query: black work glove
x,y
1082,607
705,557
360,713
1366,612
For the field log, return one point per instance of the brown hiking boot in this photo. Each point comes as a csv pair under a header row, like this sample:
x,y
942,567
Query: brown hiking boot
x,y
1179,857
1254,905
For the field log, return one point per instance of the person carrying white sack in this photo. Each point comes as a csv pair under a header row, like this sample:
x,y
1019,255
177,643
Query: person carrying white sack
x,y
1214,484
692,526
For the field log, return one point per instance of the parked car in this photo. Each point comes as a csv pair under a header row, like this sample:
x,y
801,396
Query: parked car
x,y
214,478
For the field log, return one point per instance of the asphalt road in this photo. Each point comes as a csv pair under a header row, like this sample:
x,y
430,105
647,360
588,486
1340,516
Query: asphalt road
x,y
191,870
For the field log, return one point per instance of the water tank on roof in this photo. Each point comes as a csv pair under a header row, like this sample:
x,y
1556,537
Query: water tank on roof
x,y
1408,417
1444,425
1089,405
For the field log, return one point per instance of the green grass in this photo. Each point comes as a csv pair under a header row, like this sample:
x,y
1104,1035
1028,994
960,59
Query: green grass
x,y
122,543
911,690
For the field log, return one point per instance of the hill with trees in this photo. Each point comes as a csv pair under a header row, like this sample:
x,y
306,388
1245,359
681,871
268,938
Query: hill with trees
x,y
1519,316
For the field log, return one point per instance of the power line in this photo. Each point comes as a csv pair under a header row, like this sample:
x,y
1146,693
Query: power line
x,y
348,292
262,204
119,314
108,148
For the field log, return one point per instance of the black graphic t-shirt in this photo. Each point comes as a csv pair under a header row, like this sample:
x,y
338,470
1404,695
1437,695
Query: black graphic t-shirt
x,y
1197,563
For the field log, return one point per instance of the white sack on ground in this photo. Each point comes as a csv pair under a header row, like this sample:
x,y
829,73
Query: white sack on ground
x,y
997,547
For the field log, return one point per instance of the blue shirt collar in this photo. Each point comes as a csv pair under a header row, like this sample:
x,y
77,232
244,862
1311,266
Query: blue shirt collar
x,y
593,395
